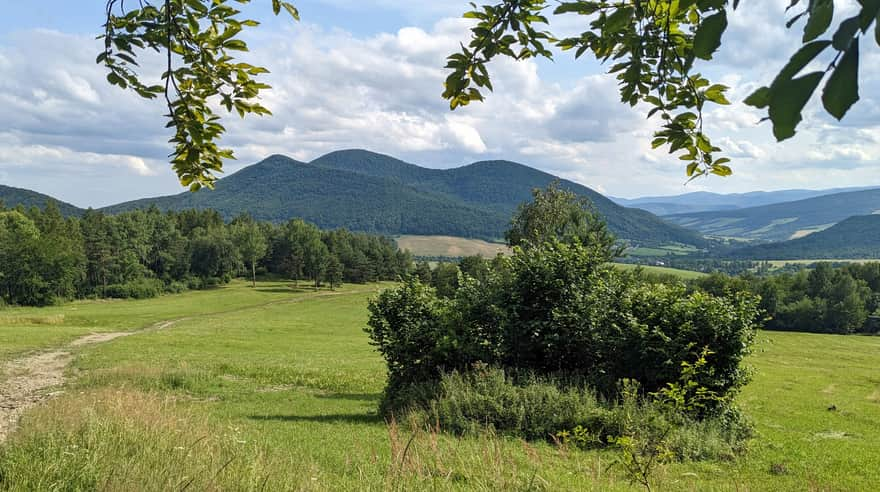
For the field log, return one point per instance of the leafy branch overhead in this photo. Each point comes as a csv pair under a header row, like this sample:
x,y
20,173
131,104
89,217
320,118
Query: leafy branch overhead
x,y
199,41
652,47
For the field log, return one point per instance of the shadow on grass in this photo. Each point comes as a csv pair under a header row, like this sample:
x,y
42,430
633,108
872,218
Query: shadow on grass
x,y
351,396
349,418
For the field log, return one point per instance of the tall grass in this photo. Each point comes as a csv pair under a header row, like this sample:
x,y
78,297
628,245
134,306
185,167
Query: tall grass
x,y
128,440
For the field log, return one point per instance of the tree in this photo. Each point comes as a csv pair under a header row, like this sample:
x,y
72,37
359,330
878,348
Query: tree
x,y
334,272
315,259
20,282
251,244
654,46
214,257
557,214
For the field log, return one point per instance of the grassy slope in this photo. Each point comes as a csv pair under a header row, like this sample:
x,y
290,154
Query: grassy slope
x,y
683,274
283,397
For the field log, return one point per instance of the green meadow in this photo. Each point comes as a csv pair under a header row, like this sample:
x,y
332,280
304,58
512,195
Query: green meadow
x,y
275,388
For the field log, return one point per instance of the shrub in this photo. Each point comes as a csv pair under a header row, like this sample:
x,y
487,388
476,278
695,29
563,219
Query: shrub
x,y
527,406
175,287
559,310
530,407
407,326
144,288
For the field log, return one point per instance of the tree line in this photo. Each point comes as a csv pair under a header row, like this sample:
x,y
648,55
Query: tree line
x,y
46,258
824,299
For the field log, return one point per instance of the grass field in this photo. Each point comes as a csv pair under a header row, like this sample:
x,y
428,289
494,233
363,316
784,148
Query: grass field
x,y
658,270
672,249
276,389
782,263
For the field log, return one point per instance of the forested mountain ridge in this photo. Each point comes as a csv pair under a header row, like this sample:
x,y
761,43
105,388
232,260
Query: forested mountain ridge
x,y
370,192
782,221
705,201
13,197
279,188
854,238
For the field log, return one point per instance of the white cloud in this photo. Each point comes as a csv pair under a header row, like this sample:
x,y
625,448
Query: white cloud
x,y
334,90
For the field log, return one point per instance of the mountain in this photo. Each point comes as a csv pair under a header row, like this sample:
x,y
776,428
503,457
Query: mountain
x,y
856,237
703,201
370,192
13,197
782,221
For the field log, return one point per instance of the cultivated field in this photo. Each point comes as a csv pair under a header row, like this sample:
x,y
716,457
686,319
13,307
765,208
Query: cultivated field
x,y
450,247
276,388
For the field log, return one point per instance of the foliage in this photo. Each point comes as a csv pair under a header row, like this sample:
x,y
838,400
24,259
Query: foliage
x,y
486,399
654,46
199,40
554,213
45,258
559,309
822,300
407,326
250,241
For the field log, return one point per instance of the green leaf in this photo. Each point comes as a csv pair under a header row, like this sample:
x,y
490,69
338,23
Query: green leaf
x,y
788,100
877,29
821,13
845,32
842,89
618,19
708,36
799,60
760,98
721,170
870,9
291,10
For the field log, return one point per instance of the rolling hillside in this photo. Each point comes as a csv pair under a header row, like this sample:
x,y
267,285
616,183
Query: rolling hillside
x,y
280,188
703,201
856,237
370,192
782,221
500,186
13,197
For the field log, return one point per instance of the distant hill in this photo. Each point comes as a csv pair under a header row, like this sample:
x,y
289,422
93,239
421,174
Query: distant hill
x,y
13,197
703,201
370,192
855,237
782,221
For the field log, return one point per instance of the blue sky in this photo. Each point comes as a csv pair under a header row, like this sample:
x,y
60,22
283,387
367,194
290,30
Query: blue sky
x,y
368,74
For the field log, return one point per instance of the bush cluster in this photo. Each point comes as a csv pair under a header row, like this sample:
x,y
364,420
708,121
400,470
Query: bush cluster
x,y
560,310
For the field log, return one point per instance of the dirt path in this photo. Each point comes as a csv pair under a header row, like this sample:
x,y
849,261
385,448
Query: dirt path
x,y
29,378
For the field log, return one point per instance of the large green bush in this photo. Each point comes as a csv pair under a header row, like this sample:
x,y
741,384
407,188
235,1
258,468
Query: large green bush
x,y
561,310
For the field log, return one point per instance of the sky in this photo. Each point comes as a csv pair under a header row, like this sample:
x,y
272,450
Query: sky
x,y
368,74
